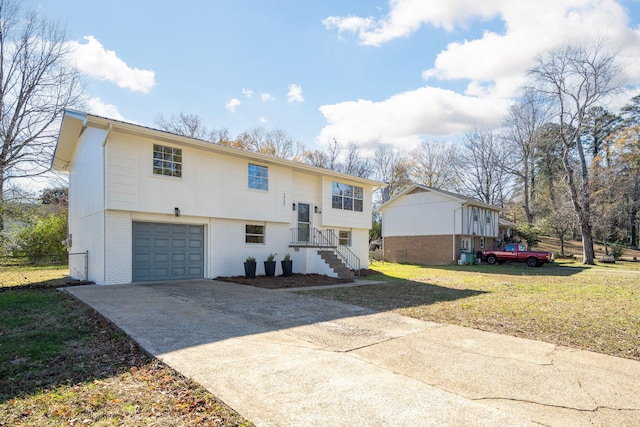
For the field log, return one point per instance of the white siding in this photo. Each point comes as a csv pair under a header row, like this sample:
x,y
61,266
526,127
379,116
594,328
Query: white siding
x,y
85,175
342,218
426,213
88,235
306,189
465,223
212,185
86,218
419,214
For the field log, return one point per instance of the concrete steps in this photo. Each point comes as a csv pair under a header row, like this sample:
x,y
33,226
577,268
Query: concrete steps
x,y
336,264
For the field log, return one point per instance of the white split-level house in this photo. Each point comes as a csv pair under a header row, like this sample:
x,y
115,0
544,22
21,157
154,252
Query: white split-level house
x,y
148,205
423,225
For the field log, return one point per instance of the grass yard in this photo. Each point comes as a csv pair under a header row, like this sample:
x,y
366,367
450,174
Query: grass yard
x,y
594,308
61,364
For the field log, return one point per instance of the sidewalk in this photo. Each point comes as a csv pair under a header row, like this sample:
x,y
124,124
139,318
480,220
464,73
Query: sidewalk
x,y
284,359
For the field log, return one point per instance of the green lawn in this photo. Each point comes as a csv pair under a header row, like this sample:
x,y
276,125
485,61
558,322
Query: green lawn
x,y
595,308
62,364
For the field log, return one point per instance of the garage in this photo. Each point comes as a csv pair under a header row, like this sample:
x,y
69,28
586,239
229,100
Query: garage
x,y
163,251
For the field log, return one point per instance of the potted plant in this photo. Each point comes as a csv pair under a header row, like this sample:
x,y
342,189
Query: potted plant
x,y
287,265
250,267
270,266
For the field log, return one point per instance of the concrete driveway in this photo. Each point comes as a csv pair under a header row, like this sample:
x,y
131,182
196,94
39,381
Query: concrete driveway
x,y
282,359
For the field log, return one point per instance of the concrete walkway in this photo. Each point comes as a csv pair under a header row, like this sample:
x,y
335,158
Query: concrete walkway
x,y
282,359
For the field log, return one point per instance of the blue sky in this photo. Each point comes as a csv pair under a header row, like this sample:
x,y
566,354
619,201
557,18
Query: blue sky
x,y
365,72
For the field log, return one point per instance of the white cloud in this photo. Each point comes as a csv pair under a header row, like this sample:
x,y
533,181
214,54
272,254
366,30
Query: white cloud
x,y
263,120
95,61
267,97
232,104
99,108
531,29
295,94
404,119
247,92
493,66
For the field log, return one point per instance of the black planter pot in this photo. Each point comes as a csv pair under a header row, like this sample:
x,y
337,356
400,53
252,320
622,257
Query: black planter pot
x,y
270,268
250,269
287,268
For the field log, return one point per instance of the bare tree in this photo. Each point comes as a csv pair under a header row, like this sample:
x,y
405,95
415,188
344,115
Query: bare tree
x,y
524,124
392,168
560,221
37,82
575,79
334,158
193,126
355,164
482,171
435,165
275,143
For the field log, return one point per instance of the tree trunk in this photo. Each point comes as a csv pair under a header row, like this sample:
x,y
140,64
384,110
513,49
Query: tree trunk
x,y
581,210
2,210
561,244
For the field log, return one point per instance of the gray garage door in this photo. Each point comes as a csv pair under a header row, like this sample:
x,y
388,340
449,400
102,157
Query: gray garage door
x,y
167,251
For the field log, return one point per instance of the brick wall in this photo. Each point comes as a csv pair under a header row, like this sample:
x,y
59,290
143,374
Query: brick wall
x,y
429,250
228,250
118,247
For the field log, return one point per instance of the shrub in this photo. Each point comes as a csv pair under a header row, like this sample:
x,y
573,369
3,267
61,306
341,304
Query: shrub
x,y
44,237
616,250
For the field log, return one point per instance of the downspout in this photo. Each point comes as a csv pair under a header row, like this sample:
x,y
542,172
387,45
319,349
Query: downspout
x,y
453,236
104,205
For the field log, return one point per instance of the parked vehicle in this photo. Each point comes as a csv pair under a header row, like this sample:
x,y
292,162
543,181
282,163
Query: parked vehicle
x,y
517,252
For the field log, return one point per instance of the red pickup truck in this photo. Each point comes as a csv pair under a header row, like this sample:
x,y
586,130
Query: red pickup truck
x,y
517,252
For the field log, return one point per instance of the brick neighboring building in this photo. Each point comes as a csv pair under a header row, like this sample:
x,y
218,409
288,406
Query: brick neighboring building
x,y
424,225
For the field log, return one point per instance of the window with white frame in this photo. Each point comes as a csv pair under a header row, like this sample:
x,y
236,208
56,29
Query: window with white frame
x,y
488,217
254,233
258,177
482,243
344,237
475,214
167,161
465,244
347,197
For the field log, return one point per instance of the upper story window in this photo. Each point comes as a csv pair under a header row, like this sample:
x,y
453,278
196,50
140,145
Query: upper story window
x,y
347,197
488,217
167,161
258,177
475,214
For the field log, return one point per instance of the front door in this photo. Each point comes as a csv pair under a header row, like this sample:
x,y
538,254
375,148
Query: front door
x,y
303,222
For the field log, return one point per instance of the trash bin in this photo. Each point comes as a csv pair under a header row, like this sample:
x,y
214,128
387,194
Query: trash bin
x,y
470,258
